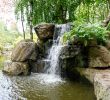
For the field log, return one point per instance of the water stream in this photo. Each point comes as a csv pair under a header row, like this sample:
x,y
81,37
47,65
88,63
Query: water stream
x,y
54,51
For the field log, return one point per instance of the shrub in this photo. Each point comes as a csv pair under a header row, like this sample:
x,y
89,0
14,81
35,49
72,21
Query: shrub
x,y
86,33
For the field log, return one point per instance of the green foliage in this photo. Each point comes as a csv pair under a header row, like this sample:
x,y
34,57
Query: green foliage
x,y
6,36
57,11
92,10
108,26
86,33
62,11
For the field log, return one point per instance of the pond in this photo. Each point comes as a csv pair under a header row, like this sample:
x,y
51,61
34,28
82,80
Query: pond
x,y
42,87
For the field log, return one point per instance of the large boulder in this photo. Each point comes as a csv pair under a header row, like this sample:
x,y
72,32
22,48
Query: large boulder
x,y
99,78
45,31
24,50
108,44
16,68
69,51
70,57
99,56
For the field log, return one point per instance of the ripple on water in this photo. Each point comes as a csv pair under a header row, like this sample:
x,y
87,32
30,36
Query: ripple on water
x,y
42,87
48,79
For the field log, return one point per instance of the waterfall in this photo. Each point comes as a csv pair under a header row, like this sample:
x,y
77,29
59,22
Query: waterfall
x,y
54,51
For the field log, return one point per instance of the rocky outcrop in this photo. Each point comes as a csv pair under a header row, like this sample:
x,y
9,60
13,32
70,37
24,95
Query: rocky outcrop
x,y
45,31
29,53
99,78
70,57
43,48
107,45
98,72
24,50
16,68
69,51
99,56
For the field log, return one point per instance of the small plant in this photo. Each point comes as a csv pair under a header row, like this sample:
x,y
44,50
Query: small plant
x,y
87,32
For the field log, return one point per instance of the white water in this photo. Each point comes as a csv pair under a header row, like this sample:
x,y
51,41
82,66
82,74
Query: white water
x,y
54,59
54,52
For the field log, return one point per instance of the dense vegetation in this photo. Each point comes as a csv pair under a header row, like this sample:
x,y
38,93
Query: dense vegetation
x,y
84,12
63,11
48,10
86,33
7,36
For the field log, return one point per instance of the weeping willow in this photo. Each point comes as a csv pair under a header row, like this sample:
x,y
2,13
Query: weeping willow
x,y
93,10
61,11
56,11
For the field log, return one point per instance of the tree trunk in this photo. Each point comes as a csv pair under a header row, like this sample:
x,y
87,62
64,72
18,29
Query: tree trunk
x,y
31,33
31,17
22,21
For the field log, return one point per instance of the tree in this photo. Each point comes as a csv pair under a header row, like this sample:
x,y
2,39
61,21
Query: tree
x,y
49,10
93,10
62,11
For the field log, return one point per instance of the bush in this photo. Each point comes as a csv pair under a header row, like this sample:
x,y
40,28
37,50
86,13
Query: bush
x,y
87,32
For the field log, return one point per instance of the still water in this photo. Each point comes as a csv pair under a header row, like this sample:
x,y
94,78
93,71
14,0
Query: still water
x,y
42,87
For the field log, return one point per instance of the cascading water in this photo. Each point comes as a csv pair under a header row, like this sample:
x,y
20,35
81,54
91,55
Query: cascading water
x,y
53,56
54,51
